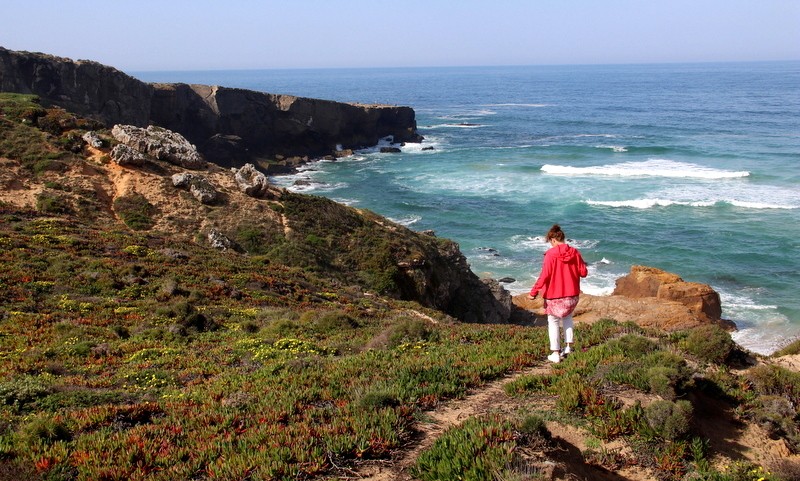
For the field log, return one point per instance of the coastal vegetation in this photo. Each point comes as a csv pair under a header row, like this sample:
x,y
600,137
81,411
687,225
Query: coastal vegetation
x,y
128,352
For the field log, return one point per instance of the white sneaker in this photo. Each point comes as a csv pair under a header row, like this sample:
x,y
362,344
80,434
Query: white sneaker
x,y
554,358
566,351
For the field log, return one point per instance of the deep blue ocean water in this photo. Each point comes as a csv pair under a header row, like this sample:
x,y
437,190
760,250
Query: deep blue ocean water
x,y
691,168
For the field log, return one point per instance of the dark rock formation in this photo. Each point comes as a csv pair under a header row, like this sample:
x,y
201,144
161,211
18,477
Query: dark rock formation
x,y
230,126
82,87
266,125
443,280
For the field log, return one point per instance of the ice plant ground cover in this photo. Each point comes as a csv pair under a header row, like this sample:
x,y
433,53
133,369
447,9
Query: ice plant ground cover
x,y
178,361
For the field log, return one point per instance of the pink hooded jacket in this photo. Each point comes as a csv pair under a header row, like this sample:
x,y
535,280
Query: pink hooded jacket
x,y
561,272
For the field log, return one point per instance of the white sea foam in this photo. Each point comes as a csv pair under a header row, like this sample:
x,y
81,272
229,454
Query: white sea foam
x,y
615,148
345,201
520,105
650,203
645,203
523,243
605,136
761,327
406,221
469,114
649,168
761,205
462,125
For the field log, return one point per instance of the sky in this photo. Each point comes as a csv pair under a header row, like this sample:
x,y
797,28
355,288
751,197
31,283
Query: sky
x,y
148,35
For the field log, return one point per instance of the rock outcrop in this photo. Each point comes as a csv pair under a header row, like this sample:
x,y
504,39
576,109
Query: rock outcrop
x,y
645,282
231,127
443,280
649,297
161,144
254,183
200,187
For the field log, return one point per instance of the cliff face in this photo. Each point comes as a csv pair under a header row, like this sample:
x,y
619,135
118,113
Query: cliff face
x,y
84,87
229,126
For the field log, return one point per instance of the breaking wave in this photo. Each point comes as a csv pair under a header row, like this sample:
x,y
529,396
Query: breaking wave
x,y
649,168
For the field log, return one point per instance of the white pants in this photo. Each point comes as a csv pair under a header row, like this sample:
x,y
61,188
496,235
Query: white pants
x,y
554,325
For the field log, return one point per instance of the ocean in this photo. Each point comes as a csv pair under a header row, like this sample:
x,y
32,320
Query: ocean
x,y
690,168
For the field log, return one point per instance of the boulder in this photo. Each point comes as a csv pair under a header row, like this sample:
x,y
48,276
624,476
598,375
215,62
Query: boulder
x,y
502,308
343,153
701,299
390,150
200,187
643,281
218,240
92,139
161,144
125,155
646,281
254,183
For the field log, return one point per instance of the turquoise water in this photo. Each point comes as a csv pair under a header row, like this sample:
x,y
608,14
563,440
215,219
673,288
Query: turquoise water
x,y
692,168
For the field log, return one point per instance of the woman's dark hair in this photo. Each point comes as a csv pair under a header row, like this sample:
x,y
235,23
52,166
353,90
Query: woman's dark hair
x,y
556,233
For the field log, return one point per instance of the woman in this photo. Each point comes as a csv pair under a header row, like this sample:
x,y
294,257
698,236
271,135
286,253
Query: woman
x,y
560,284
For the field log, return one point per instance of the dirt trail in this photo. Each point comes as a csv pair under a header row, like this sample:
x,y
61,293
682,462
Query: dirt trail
x,y
488,398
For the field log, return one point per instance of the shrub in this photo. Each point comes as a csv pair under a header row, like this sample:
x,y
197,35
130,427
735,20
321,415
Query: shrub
x,y
710,343
534,430
252,239
378,398
77,399
52,204
777,416
635,346
789,349
409,331
776,381
669,420
135,211
661,381
46,429
22,391
329,322
475,451
187,316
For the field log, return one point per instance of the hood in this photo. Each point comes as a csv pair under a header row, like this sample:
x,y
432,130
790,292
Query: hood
x,y
564,252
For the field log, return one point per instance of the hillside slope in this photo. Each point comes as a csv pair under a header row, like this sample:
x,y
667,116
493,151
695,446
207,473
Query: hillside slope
x,y
150,332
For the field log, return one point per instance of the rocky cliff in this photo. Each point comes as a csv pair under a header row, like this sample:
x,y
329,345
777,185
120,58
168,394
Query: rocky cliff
x,y
229,126
83,87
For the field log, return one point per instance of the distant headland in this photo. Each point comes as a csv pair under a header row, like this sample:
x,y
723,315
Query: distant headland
x,y
230,127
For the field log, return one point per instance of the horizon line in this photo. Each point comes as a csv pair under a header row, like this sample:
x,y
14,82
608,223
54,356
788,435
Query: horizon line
x,y
611,64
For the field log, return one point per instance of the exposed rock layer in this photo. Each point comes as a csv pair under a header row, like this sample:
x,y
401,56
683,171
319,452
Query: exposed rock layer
x,y
230,126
